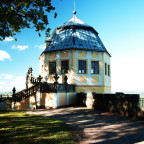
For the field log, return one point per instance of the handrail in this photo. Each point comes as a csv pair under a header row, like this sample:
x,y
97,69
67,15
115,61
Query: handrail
x,y
42,87
35,80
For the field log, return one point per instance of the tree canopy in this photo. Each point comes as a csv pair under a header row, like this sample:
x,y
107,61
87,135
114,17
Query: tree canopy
x,y
19,14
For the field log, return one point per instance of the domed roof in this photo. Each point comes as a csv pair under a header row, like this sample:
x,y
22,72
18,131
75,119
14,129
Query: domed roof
x,y
75,34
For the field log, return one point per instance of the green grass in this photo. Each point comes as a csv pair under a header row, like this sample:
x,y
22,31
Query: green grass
x,y
16,127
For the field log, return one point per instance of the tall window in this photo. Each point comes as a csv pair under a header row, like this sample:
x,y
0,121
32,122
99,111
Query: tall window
x,y
105,68
95,67
52,67
82,66
108,70
64,66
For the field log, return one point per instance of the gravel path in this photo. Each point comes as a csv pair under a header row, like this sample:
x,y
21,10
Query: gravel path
x,y
98,127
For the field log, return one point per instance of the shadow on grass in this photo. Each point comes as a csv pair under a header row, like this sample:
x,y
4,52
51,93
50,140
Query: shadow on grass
x,y
17,127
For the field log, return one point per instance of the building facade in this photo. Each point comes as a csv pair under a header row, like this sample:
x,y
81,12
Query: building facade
x,y
76,50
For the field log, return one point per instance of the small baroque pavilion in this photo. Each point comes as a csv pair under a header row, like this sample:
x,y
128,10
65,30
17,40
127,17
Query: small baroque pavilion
x,y
76,50
75,60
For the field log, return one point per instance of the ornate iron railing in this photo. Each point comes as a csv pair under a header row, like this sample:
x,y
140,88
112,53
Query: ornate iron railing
x,y
35,80
42,88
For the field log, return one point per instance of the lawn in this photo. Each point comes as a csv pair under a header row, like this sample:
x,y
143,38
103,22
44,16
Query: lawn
x,y
16,127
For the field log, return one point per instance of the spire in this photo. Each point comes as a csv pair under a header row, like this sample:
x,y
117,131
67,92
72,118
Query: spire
x,y
74,12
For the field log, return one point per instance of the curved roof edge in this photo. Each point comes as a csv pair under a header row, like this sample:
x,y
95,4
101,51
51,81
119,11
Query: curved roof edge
x,y
73,48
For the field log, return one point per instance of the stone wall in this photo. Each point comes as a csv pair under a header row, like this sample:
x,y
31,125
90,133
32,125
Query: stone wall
x,y
123,104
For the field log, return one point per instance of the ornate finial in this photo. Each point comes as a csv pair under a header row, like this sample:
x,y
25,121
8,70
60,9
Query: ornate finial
x,y
65,79
39,78
74,12
30,70
56,77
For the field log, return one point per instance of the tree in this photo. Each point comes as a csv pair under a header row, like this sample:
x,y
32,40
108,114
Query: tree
x,y
19,14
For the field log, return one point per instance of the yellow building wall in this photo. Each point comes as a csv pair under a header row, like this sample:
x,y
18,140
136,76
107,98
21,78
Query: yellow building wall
x,y
71,98
73,58
32,102
52,55
82,54
24,104
95,79
95,55
82,79
107,89
50,100
72,75
64,54
94,88
62,99
107,78
103,69
42,100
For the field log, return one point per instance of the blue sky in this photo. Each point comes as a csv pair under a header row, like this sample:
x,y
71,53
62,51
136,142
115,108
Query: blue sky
x,y
120,24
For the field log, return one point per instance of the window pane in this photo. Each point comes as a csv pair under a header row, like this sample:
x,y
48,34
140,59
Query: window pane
x,y
105,69
64,66
52,67
95,67
81,66
108,70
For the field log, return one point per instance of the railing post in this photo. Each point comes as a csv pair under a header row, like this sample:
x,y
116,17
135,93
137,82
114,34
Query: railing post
x,y
14,96
65,79
39,78
65,82
56,77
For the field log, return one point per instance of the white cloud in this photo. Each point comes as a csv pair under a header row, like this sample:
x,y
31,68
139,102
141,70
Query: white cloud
x,y
9,81
8,39
18,81
7,76
20,47
42,47
20,78
127,74
4,55
2,83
